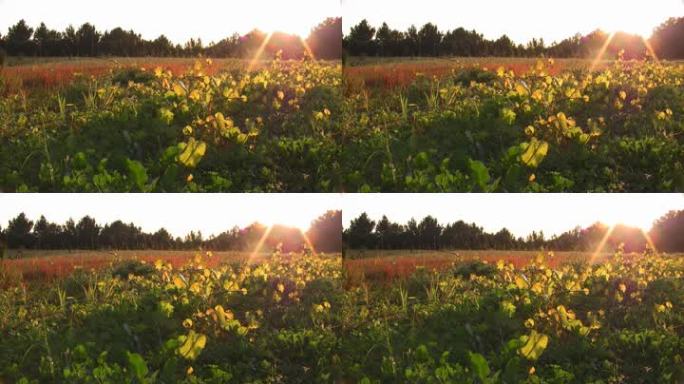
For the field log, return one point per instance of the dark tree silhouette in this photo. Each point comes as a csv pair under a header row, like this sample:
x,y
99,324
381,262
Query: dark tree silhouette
x,y
364,233
325,41
668,232
325,235
364,40
668,39
325,232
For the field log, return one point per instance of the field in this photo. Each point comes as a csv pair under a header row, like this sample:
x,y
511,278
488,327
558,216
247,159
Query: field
x,y
170,125
33,265
513,125
48,75
145,323
387,265
303,318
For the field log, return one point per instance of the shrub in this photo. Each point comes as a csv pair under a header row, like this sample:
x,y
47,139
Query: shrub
x,y
136,75
132,267
477,268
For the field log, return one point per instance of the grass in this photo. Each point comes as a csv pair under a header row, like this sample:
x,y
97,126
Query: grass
x,y
388,265
47,74
34,265
392,72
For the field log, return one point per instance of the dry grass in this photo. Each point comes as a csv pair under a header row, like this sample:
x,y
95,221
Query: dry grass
x,y
54,73
42,265
392,264
391,73
33,265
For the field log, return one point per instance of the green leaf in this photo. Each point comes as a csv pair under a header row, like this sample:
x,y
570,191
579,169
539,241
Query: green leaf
x,y
508,116
192,346
508,308
535,344
137,365
166,115
137,172
534,152
191,152
480,173
479,365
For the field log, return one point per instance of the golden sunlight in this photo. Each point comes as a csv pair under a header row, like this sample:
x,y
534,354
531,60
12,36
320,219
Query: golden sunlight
x,y
292,23
633,218
281,218
629,20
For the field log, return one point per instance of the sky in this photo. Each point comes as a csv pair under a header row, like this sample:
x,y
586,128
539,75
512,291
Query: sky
x,y
521,20
178,213
520,213
211,20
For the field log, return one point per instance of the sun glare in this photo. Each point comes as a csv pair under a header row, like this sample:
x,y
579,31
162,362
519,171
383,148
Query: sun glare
x,y
630,19
632,218
291,25
301,223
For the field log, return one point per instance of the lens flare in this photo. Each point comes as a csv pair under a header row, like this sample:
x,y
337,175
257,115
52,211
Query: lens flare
x,y
259,52
260,244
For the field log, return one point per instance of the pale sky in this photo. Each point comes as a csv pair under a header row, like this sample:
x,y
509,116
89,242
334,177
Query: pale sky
x,y
521,20
520,213
178,213
212,20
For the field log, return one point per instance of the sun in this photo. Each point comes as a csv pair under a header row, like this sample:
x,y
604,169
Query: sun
x,y
301,223
287,24
629,19
633,217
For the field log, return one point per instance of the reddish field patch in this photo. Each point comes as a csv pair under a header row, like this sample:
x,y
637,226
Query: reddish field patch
x,y
55,75
50,265
395,74
390,265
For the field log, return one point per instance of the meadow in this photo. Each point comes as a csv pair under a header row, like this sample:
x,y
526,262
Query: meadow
x,y
303,318
170,125
387,265
45,265
201,322
513,125
620,320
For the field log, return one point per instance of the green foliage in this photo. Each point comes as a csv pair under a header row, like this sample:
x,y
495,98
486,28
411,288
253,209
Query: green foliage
x,y
477,268
271,129
613,130
289,319
131,268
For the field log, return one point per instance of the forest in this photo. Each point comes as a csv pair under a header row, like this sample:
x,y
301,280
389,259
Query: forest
x,y
366,40
87,41
428,233
22,233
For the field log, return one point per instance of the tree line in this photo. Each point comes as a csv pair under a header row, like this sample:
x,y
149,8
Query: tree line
x,y
325,42
364,40
429,234
324,234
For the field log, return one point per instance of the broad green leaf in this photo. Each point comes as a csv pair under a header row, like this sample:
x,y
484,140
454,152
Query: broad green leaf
x,y
508,116
191,152
535,344
480,173
521,283
508,308
166,115
479,365
192,346
534,152
137,172
137,365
